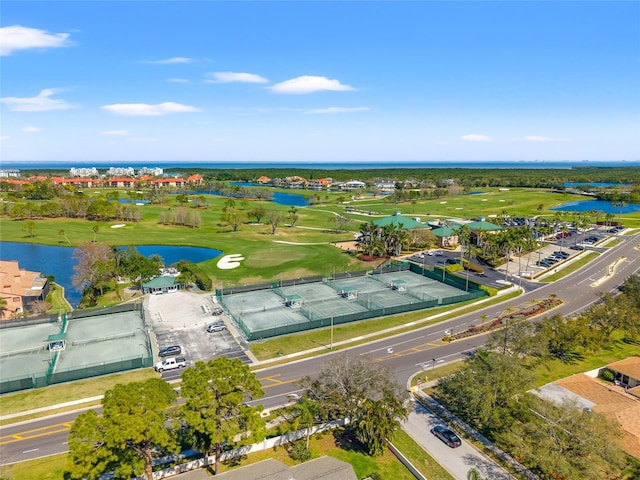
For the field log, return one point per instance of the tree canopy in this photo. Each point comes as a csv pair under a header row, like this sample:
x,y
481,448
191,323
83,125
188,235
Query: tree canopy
x,y
363,392
215,411
130,434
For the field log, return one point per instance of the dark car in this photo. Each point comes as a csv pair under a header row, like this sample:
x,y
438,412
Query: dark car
x,y
217,311
172,350
447,436
216,327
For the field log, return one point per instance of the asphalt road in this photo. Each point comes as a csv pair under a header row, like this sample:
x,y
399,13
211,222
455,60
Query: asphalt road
x,y
405,354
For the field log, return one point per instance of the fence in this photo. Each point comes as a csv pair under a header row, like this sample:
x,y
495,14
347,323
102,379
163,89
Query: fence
x,y
70,374
416,300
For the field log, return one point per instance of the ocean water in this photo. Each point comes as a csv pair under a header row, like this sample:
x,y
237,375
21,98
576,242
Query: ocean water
x,y
65,165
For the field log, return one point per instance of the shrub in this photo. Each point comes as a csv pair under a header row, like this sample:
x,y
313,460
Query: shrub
x,y
300,453
608,376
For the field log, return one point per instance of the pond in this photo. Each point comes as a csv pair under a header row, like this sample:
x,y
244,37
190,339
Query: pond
x,y
598,206
292,199
58,261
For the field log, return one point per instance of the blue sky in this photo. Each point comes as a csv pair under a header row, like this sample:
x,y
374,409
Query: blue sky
x,y
88,81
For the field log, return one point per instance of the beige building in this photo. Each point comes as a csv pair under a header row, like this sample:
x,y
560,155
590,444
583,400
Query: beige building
x,y
20,288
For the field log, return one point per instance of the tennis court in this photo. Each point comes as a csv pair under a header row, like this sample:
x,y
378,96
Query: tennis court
x,y
303,305
84,347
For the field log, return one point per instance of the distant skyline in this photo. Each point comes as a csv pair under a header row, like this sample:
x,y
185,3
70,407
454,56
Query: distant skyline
x,y
319,81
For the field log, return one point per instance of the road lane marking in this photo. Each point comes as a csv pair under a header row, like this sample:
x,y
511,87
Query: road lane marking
x,y
32,450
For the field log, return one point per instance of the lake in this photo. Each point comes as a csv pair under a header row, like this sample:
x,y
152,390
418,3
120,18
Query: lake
x,y
597,205
59,262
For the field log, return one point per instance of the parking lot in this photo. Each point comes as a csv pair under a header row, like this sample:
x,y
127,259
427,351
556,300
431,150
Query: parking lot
x,y
547,257
182,318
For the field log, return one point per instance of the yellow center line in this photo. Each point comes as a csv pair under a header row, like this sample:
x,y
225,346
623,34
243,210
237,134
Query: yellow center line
x,y
281,382
22,437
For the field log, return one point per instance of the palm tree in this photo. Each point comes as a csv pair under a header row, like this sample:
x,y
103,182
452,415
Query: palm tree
x,y
564,229
464,237
61,233
620,204
608,218
95,229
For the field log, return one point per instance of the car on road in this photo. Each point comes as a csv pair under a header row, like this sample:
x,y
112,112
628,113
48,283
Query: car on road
x,y
169,351
216,327
447,436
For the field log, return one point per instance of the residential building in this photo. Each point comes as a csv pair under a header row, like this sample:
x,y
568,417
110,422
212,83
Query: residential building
x,y
122,182
10,173
153,171
121,171
320,184
83,172
353,185
20,288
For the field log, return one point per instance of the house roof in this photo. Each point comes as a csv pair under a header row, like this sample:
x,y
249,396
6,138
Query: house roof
x,y
445,231
18,281
406,222
57,337
613,403
160,282
483,225
629,367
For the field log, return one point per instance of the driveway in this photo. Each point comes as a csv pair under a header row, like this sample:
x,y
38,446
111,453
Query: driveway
x,y
457,461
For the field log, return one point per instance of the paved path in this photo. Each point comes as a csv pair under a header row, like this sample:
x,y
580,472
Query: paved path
x,y
457,461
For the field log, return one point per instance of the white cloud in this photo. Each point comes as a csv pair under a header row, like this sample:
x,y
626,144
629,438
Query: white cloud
x,y
231,77
41,103
31,129
309,84
474,137
147,110
17,37
171,61
115,133
178,80
537,138
330,110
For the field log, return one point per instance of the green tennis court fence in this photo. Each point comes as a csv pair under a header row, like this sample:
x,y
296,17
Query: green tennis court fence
x,y
315,321
70,374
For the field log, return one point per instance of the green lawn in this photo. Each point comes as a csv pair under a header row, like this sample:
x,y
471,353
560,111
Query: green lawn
x,y
56,394
266,258
556,369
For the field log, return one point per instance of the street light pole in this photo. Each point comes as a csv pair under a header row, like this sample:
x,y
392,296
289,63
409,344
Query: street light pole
x,y
331,345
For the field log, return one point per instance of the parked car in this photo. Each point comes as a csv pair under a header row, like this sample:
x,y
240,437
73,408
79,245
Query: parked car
x,y
172,350
447,436
171,364
217,311
216,327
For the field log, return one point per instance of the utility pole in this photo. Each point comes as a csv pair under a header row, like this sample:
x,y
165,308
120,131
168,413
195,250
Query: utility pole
x,y
331,344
